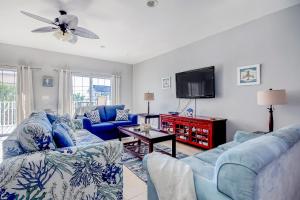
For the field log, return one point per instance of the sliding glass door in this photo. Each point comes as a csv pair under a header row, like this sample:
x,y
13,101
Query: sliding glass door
x,y
8,88
90,91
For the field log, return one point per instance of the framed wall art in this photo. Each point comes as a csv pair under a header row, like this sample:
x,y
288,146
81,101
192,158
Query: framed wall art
x,y
248,75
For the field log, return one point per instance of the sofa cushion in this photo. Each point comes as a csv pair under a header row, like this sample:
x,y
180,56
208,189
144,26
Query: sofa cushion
x,y
210,156
61,136
78,124
84,137
70,130
41,117
228,145
94,116
104,126
51,117
11,146
102,113
200,167
111,111
290,134
34,134
121,123
243,136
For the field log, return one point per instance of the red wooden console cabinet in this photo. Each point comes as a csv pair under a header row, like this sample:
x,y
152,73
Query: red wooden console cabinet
x,y
204,132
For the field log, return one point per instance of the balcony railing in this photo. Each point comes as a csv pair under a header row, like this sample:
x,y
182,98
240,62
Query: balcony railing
x,y
8,117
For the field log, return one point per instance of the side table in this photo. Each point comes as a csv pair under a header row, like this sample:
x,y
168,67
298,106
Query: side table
x,y
147,117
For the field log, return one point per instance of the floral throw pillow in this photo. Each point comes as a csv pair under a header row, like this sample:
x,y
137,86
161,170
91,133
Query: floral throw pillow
x,y
77,124
34,135
122,115
94,116
66,119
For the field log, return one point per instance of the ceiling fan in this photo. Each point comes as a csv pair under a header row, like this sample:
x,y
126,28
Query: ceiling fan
x,y
64,27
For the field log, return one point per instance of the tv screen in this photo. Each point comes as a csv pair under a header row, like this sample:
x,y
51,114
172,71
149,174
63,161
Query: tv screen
x,y
199,83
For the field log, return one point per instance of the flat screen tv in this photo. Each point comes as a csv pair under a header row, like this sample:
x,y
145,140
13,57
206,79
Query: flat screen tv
x,y
199,83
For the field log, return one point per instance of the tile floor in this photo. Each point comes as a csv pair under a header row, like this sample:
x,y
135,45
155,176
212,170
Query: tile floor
x,y
135,188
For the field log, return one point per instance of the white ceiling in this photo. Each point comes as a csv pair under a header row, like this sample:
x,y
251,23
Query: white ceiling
x,y
130,31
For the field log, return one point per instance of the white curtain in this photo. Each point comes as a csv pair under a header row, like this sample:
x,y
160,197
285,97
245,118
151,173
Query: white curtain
x,y
25,101
65,93
116,90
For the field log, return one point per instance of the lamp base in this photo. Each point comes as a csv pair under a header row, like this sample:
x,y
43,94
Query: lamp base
x,y
271,120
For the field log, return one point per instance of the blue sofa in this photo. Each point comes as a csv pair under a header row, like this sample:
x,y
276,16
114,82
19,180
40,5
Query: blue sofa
x,y
90,170
248,168
107,128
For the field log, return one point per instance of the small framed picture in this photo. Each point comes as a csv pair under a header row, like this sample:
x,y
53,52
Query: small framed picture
x,y
166,83
248,75
47,81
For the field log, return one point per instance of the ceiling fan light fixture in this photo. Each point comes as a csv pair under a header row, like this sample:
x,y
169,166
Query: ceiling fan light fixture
x,y
152,3
65,26
62,36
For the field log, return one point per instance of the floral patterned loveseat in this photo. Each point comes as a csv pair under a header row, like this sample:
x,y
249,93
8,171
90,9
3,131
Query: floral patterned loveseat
x,y
91,170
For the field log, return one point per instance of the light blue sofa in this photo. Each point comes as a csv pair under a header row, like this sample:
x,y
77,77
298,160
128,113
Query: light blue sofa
x,y
90,170
248,168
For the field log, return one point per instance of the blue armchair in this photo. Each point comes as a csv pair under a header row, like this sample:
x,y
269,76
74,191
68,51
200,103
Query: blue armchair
x,y
107,128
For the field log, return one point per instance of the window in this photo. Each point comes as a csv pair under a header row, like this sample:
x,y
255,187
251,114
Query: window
x,y
91,91
8,89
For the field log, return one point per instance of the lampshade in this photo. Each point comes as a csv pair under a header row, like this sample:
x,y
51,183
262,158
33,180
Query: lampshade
x,y
149,96
271,97
101,100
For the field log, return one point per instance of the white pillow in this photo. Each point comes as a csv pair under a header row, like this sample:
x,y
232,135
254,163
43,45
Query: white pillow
x,y
122,115
94,116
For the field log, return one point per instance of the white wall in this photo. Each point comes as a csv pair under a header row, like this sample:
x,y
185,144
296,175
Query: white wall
x,y
273,41
48,61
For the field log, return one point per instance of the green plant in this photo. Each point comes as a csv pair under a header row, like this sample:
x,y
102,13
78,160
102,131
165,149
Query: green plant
x,y
78,97
7,92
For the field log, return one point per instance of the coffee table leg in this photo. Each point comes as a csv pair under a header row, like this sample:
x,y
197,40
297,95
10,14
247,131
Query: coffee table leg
x,y
150,147
120,135
174,147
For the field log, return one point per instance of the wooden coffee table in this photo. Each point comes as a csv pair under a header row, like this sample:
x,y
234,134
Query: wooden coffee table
x,y
149,139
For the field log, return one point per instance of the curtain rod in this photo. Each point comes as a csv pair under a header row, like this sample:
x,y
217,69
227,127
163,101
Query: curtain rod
x,y
94,74
57,70
13,66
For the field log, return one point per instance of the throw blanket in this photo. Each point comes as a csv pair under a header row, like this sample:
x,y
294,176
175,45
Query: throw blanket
x,y
172,178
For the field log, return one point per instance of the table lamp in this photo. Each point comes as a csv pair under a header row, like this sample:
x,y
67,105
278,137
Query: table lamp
x,y
148,97
271,98
101,100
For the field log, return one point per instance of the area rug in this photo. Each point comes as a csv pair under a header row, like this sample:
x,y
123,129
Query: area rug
x,y
135,164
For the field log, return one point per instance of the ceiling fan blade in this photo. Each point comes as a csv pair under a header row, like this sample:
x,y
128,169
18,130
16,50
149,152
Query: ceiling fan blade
x,y
82,32
74,39
42,19
44,29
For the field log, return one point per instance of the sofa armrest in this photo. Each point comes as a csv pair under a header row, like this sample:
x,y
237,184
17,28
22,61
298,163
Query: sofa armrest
x,y
133,118
151,190
86,123
83,172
